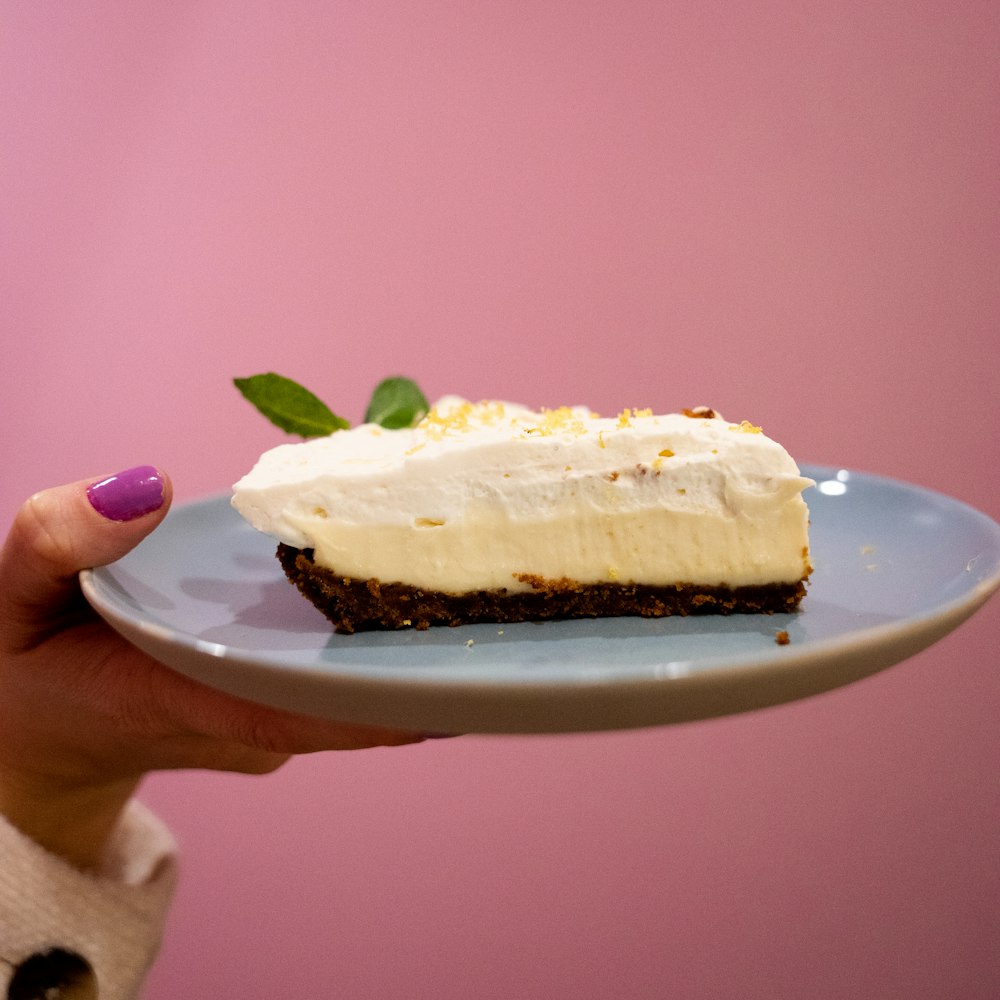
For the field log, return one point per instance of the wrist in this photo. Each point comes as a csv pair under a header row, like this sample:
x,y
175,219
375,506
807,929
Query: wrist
x,y
74,822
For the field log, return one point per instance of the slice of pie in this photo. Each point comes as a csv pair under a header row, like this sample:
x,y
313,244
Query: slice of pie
x,y
494,512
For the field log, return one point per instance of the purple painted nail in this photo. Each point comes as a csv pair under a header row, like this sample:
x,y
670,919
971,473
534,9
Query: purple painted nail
x,y
127,495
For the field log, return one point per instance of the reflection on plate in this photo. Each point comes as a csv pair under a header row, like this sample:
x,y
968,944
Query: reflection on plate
x,y
896,568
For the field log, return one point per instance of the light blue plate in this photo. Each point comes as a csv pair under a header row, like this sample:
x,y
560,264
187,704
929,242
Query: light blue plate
x,y
896,568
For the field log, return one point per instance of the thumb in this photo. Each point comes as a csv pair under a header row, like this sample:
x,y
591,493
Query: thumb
x,y
62,530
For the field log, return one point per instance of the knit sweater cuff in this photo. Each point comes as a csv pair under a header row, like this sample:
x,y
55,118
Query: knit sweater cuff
x,y
113,917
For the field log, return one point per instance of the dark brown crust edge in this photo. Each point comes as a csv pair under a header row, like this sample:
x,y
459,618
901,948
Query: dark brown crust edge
x,y
363,605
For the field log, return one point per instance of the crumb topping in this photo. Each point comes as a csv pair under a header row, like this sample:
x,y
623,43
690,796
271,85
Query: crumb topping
x,y
460,419
558,421
465,416
661,456
625,417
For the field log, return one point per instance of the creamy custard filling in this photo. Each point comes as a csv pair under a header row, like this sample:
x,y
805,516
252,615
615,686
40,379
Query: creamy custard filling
x,y
654,547
486,496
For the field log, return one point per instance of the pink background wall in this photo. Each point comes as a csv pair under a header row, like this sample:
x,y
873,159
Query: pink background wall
x,y
786,210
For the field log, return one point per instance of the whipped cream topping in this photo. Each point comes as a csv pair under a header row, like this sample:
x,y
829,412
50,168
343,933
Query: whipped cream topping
x,y
495,495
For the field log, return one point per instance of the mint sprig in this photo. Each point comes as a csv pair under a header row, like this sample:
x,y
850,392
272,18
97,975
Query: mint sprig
x,y
289,405
396,402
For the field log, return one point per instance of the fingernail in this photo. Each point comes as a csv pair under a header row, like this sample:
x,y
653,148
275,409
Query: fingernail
x,y
127,495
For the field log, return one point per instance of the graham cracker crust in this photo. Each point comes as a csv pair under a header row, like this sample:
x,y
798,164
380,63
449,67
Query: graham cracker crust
x,y
354,605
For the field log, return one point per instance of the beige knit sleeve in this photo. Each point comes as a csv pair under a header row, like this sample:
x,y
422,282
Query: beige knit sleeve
x,y
112,919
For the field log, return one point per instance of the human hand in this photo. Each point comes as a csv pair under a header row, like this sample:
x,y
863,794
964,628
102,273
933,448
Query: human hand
x,y
85,713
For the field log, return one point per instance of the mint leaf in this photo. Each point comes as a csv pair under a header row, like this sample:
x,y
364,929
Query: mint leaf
x,y
396,402
289,405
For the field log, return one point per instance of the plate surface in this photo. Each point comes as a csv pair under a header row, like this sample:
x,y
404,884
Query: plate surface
x,y
896,568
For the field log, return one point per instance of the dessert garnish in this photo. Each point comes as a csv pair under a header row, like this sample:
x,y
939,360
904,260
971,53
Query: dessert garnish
x,y
396,402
